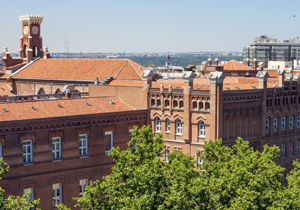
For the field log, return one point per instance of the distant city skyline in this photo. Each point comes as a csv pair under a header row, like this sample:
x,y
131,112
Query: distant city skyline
x,y
136,26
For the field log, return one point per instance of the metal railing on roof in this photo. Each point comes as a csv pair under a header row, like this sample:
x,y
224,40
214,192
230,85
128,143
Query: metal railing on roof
x,y
42,97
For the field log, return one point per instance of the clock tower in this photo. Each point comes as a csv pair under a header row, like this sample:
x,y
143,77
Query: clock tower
x,y
31,45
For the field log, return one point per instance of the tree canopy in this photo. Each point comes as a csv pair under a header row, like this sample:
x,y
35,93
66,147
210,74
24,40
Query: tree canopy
x,y
234,177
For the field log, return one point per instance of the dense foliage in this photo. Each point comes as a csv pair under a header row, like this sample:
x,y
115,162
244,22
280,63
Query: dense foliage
x,y
228,178
14,202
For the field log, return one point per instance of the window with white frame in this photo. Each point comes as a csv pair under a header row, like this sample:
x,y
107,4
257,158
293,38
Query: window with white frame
x,y
291,149
168,126
291,121
27,152
178,127
83,145
56,194
167,152
56,148
283,150
157,124
201,129
283,122
267,124
275,126
298,148
82,184
199,161
30,194
108,141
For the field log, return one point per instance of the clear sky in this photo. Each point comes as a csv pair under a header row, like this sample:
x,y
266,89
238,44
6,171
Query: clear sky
x,y
151,25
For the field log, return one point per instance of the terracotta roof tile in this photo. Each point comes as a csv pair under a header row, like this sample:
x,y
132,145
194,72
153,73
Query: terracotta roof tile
x,y
235,65
50,108
82,69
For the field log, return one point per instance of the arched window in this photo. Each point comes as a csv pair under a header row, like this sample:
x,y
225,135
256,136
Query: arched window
x,y
35,51
283,122
167,103
181,104
175,104
267,124
168,126
25,51
178,127
291,121
41,92
158,102
201,105
57,91
201,129
275,126
152,102
157,125
207,106
194,105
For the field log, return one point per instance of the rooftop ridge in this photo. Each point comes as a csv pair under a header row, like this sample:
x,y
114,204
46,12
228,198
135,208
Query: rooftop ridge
x,y
121,69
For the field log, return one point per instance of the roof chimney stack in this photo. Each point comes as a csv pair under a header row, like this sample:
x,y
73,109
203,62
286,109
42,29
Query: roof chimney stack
x,y
247,62
209,61
216,61
261,66
255,64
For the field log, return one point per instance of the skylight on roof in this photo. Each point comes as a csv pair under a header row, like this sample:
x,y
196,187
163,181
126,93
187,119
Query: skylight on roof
x,y
238,88
88,104
254,87
111,101
95,68
2,88
176,87
198,88
5,110
227,88
34,108
60,106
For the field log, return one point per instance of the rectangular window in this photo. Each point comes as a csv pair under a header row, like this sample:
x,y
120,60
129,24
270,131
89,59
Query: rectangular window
x,y
56,148
291,149
168,126
82,184
291,122
283,151
267,124
56,194
108,141
30,194
298,119
298,148
167,155
1,151
83,145
199,161
27,152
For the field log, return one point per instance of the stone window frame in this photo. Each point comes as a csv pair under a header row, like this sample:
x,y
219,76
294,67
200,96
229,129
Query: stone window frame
x,y
201,129
56,194
27,154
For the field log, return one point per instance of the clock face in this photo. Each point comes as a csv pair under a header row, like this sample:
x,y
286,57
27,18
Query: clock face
x,y
25,30
35,30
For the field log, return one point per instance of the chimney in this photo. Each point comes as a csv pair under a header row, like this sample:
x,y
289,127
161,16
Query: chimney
x,y
68,95
216,61
281,73
255,64
209,61
247,62
261,66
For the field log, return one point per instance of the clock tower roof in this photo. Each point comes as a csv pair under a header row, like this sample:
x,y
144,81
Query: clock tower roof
x,y
31,19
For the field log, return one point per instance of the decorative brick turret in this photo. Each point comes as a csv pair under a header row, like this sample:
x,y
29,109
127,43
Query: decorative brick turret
x,y
281,73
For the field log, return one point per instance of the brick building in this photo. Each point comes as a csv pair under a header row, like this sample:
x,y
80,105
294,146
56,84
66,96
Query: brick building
x,y
190,111
55,147
33,72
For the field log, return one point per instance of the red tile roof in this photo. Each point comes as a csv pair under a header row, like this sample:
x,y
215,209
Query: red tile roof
x,y
50,108
82,69
202,83
235,65
6,89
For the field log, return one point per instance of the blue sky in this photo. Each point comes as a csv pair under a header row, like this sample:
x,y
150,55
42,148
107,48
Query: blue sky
x,y
151,25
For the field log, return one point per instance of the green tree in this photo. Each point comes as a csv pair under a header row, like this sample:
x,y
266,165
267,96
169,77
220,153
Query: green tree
x,y
239,177
141,180
14,202
234,177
